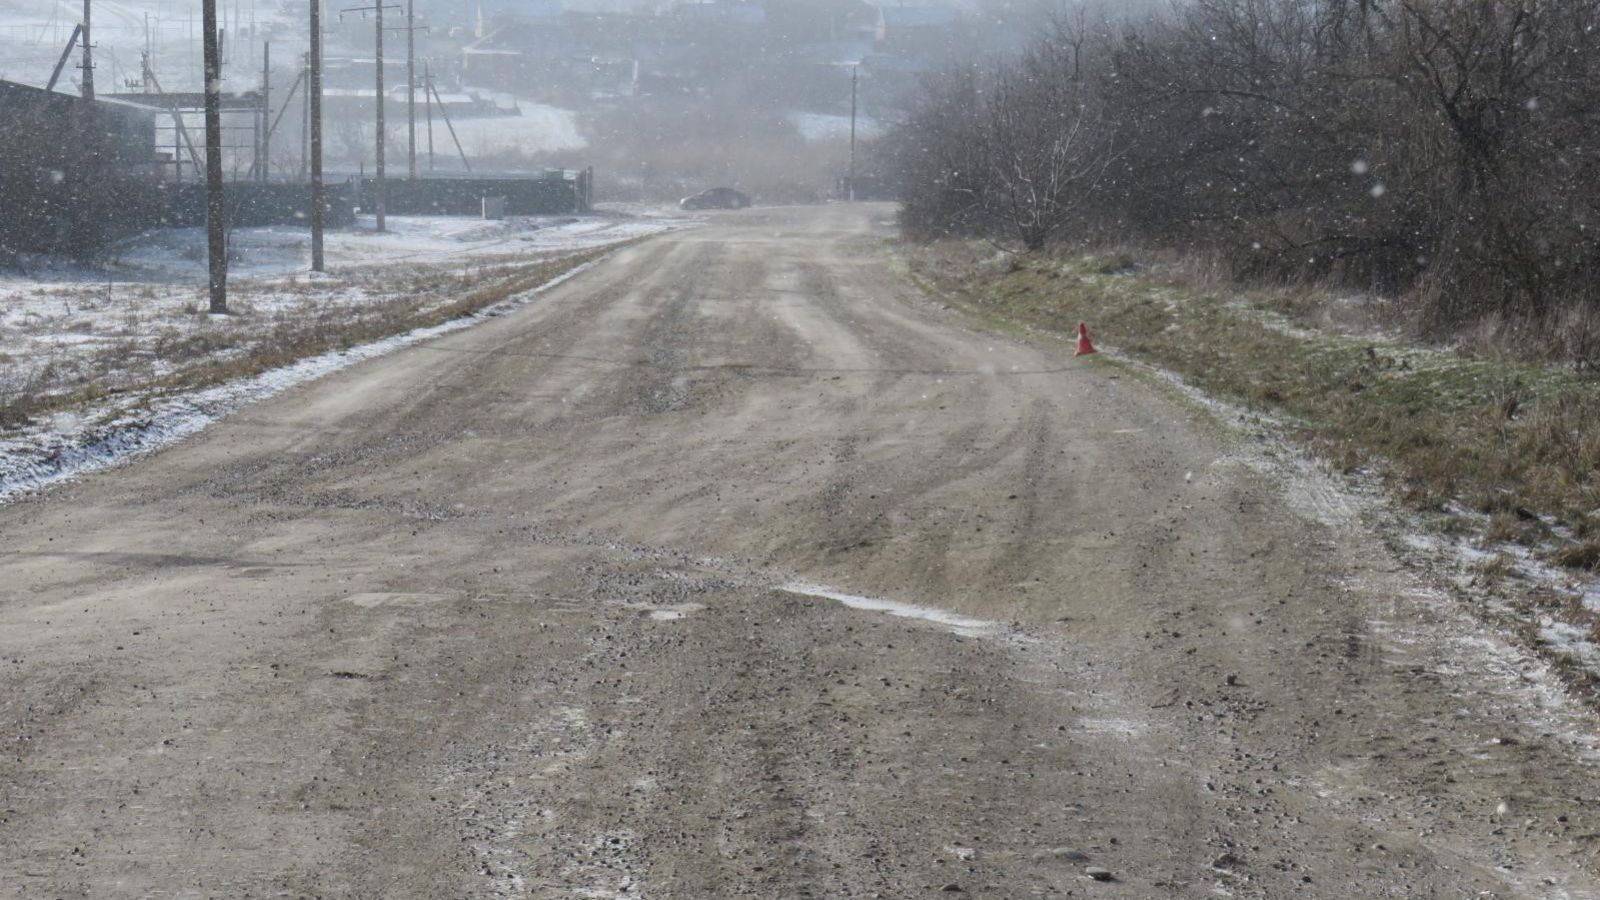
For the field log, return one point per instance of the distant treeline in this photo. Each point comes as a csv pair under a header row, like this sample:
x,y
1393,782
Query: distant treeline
x,y
1444,151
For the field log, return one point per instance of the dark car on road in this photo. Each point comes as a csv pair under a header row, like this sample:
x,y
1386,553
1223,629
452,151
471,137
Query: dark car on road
x,y
716,198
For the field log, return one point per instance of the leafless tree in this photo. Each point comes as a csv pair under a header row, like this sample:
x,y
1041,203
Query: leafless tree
x,y
1043,143
1446,152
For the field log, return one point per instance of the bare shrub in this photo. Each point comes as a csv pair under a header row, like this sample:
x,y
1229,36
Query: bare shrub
x,y
1440,151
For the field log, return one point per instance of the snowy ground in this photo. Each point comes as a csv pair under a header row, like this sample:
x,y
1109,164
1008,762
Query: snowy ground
x,y
33,33
818,127
60,316
178,254
75,442
537,128
115,336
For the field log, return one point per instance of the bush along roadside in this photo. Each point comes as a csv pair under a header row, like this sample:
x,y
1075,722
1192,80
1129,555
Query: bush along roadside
x,y
1499,458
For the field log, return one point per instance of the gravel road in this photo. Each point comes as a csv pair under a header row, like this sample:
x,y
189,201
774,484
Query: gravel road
x,y
735,567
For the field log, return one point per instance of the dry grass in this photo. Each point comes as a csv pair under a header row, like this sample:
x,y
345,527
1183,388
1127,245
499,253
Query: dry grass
x,y
202,352
1495,569
295,338
1584,556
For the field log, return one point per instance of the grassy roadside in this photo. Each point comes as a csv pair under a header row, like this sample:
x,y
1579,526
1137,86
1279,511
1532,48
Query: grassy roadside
x,y
1505,452
215,351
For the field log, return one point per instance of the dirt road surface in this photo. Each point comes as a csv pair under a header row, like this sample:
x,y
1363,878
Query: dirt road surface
x,y
540,609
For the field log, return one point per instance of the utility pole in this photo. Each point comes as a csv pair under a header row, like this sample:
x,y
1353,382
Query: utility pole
x,y
411,86
181,139
446,113
266,110
382,187
216,209
854,72
380,184
427,99
88,56
66,55
305,119
411,30
314,61
272,129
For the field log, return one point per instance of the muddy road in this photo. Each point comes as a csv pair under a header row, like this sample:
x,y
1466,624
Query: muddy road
x,y
542,609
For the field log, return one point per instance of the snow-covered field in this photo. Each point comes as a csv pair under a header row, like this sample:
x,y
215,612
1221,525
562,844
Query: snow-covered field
x,y
74,442
109,339
538,129
33,33
818,127
61,316
178,254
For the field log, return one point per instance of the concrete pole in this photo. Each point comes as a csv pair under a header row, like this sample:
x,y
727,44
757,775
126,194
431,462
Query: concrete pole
x,y
88,56
216,207
411,86
314,90
427,99
266,110
305,120
854,70
381,186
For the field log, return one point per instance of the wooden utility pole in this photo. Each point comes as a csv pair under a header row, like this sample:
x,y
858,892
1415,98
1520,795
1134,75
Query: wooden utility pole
x,y
314,92
216,208
88,56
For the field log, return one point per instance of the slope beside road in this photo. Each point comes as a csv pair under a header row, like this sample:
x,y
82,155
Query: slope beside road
x,y
599,599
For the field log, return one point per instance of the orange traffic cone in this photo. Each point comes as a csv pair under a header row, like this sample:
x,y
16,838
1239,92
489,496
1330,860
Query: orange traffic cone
x,y
1084,347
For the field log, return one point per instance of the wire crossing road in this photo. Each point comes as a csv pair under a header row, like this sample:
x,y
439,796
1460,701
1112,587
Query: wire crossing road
x,y
735,567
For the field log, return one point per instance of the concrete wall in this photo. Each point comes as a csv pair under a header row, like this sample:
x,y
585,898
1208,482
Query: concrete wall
x,y
55,217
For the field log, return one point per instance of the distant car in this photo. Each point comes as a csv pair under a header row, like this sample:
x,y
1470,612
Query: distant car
x,y
716,198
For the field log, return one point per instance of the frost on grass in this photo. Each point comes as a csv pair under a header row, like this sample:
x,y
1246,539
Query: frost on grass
x,y
78,334
96,372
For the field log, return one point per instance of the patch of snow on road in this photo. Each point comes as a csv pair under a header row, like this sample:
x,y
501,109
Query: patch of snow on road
x,y
1118,727
674,613
957,623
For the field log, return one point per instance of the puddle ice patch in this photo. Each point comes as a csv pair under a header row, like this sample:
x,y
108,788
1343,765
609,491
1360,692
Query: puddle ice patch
x,y
957,623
